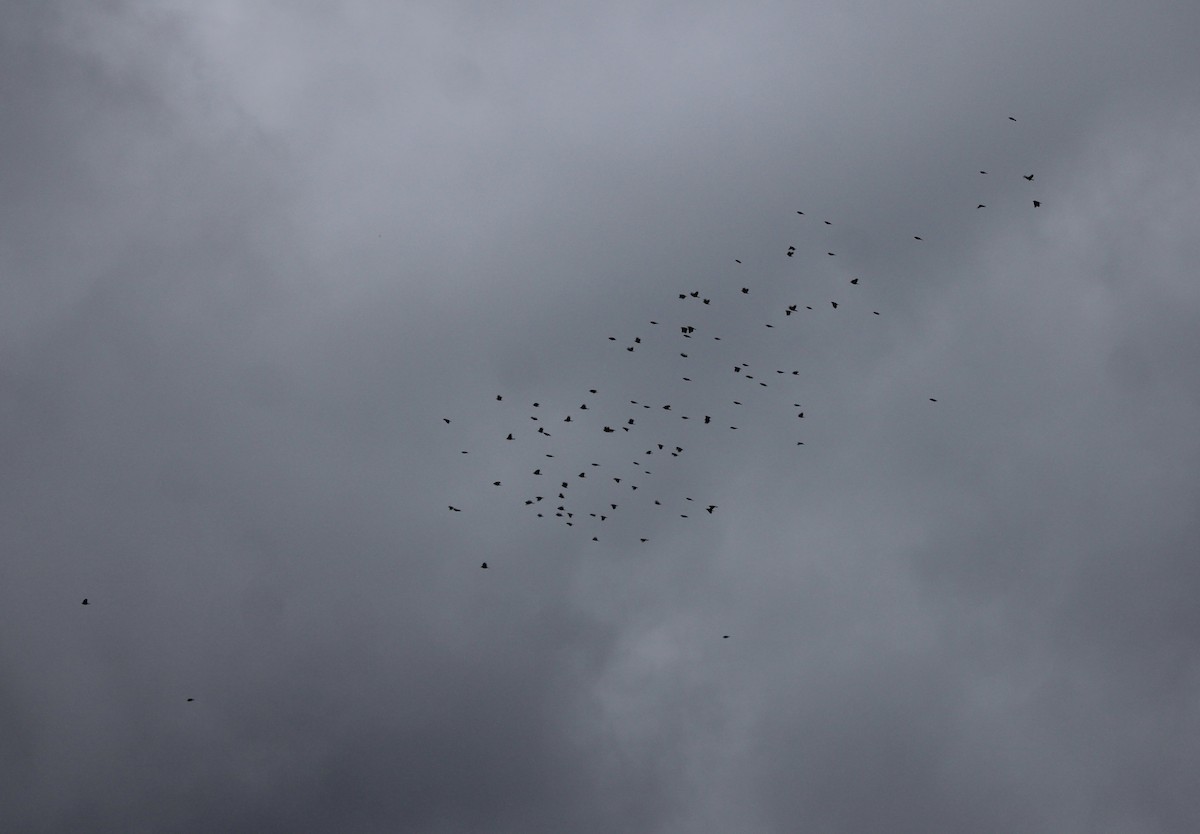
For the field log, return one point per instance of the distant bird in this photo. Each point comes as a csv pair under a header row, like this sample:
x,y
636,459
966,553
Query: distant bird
x,y
1029,177
983,172
981,205
801,415
591,390
736,261
643,540
827,223
853,280
696,294
535,405
608,429
85,602
707,419
710,508
834,303
452,507
537,472
799,212
745,290
830,254
917,238
707,300
499,398
190,700
1037,204
568,419
932,400
509,437
495,483
791,251
445,419
484,566
1011,119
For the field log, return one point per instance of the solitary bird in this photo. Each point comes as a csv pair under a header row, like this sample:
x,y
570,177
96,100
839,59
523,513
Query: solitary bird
x,y
1029,177
710,508
85,602
445,419
1011,119
745,290
932,400
791,251
853,280
190,700
983,172
981,205
917,238
484,566
509,437
830,254
1037,204
834,303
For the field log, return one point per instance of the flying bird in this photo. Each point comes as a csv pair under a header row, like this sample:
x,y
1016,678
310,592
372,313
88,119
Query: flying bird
x,y
710,508
981,205
917,238
190,700
834,303
745,290
1011,119
1029,177
1037,204
791,251
853,280
445,419
85,602
484,566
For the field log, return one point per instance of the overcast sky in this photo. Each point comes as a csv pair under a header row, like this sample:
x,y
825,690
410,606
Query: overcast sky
x,y
253,254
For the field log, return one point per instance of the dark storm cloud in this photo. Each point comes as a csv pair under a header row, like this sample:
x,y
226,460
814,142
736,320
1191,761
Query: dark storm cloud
x,y
254,256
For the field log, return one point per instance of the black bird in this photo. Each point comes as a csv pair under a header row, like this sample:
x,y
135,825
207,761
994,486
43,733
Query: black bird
x,y
591,390
799,212
707,419
932,400
983,172
853,280
452,507
495,483
535,405
509,437
85,602
834,303
608,429
707,300
499,398
827,223
981,205
484,566
801,415
745,290
644,540
1037,204
446,419
829,253
736,261
710,508
190,700
916,238
537,472
568,419
791,251
696,294
1029,177
583,407
1011,119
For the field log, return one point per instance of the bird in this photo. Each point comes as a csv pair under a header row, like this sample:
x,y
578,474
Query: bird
x,y
1029,177
983,172
724,636
1037,204
853,280
917,238
445,419
736,261
745,290
499,398
190,700
827,223
830,254
1011,119
484,566
85,601
932,400
799,212
791,251
834,303
710,508
509,436
452,507
981,205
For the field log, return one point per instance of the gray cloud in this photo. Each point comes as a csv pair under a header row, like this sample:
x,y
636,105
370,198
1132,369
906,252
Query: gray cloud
x,y
253,256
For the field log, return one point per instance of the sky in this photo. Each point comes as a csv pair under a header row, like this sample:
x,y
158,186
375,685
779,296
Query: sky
x,y
254,255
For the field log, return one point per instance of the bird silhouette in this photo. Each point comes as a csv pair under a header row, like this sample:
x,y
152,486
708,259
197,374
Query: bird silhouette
x,y
1029,177
1011,119
917,238
791,251
981,205
484,566
710,508
190,700
85,602
853,280
1037,204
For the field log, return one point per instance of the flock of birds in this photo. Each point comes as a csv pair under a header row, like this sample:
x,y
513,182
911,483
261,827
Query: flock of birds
x,y
587,486
556,489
